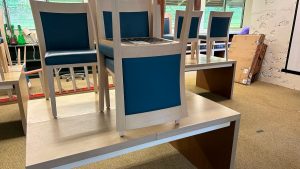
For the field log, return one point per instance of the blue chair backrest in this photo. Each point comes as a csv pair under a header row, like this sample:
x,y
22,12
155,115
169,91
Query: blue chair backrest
x,y
162,82
193,28
167,26
65,31
132,24
219,27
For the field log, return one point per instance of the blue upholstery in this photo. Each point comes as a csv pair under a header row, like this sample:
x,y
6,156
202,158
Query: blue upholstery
x,y
219,46
110,64
151,83
70,57
167,26
65,31
219,27
169,36
107,51
202,47
132,24
107,18
193,28
1,40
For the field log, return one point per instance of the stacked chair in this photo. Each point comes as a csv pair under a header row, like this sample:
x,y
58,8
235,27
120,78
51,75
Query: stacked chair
x,y
217,31
149,78
5,59
67,39
193,31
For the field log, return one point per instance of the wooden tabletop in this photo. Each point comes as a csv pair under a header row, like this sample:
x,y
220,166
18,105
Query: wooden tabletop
x,y
13,76
82,132
193,64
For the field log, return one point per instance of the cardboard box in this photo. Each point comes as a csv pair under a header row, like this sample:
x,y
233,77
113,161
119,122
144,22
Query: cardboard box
x,y
257,63
248,51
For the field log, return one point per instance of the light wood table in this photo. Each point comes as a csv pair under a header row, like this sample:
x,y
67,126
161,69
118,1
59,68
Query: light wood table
x,y
207,137
215,74
17,80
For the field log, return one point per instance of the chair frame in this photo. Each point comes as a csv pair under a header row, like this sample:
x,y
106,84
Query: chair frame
x,y
121,51
194,41
37,7
154,31
5,59
210,40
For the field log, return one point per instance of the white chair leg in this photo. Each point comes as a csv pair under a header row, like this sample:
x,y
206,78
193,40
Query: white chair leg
x,y
10,94
122,133
45,83
197,49
58,80
107,97
192,50
208,49
101,84
94,70
52,91
226,50
86,73
72,73
42,81
212,44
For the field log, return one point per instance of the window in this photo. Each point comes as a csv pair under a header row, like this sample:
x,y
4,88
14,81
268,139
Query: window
x,y
236,6
20,12
172,6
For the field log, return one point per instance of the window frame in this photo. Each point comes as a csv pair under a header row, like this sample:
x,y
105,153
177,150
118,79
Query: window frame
x,y
5,8
224,10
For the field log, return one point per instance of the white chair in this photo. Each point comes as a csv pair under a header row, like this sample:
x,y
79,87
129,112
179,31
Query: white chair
x,y
218,30
193,32
5,59
66,36
149,78
139,26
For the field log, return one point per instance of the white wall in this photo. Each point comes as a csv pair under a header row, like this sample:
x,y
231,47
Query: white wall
x,y
274,18
247,13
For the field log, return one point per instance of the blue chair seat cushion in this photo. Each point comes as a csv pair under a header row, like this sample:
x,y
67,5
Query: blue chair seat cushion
x,y
70,57
169,36
110,64
106,50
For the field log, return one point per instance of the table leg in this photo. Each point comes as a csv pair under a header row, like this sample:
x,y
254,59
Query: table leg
x,y
218,80
22,95
212,150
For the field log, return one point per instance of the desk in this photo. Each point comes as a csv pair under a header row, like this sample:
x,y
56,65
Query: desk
x,y
207,137
17,80
215,75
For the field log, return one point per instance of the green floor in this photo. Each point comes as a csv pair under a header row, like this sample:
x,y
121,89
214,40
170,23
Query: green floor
x,y
269,133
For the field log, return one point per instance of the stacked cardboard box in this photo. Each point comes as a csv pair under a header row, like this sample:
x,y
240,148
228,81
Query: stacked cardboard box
x,y
249,52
